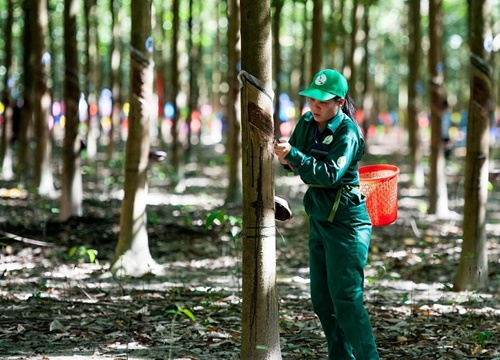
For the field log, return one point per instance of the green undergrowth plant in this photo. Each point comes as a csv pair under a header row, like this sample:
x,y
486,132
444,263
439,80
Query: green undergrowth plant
x,y
81,254
45,210
153,219
382,272
230,225
176,310
483,338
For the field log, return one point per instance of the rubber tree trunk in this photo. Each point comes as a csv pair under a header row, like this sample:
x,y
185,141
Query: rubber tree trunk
x,y
302,65
414,62
5,145
115,60
132,256
356,36
26,114
472,272
91,75
234,191
438,191
71,191
317,37
276,24
43,179
260,333
367,97
176,147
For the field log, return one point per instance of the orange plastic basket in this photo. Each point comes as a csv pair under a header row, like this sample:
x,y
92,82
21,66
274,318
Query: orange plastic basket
x,y
379,183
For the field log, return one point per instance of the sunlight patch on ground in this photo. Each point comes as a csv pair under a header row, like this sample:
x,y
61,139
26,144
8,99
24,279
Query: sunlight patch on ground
x,y
74,272
161,198
15,266
218,263
76,357
412,293
183,200
494,229
439,309
292,279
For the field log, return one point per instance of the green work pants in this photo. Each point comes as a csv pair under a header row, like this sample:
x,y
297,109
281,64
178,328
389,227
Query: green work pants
x,y
338,253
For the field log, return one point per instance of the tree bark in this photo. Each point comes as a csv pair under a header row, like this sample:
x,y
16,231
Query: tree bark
x,y
317,38
71,191
438,192
132,255
92,70
414,59
276,24
5,145
176,158
194,51
354,61
42,177
215,58
260,334
234,191
472,271
115,60
369,116
26,103
303,78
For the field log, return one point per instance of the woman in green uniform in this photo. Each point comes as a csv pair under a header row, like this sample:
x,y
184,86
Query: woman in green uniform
x,y
324,150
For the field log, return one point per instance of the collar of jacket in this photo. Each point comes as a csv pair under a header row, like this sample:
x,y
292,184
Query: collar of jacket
x,y
334,122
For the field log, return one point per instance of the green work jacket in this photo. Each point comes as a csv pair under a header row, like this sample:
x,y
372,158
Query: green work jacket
x,y
327,161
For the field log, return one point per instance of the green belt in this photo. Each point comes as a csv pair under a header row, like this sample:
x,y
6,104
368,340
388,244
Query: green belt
x,y
341,189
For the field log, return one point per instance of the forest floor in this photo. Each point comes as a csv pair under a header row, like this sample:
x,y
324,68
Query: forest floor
x,y
56,306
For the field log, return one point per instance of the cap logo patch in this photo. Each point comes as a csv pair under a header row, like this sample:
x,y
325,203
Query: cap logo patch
x,y
320,80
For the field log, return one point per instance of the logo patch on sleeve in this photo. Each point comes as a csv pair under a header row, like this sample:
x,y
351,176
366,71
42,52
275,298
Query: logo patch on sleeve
x,y
328,140
341,161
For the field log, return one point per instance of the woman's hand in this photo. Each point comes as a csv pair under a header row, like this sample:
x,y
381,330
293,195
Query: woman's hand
x,y
281,149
